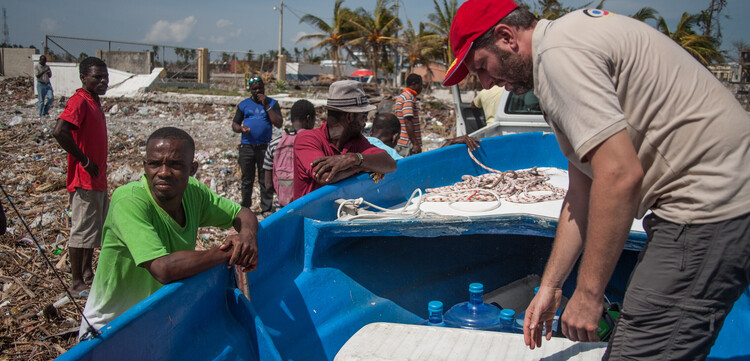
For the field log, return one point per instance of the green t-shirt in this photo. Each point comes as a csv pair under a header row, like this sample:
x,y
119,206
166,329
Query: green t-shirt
x,y
136,231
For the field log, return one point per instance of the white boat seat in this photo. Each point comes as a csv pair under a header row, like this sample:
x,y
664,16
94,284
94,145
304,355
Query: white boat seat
x,y
399,342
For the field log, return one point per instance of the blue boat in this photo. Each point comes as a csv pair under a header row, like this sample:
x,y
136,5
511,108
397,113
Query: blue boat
x,y
320,280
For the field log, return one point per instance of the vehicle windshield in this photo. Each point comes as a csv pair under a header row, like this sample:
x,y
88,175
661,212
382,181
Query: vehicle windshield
x,y
526,103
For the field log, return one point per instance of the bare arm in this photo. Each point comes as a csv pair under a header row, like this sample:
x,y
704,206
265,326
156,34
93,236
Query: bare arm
x,y
274,114
183,264
268,176
613,202
565,251
328,170
409,125
240,249
245,245
62,134
237,125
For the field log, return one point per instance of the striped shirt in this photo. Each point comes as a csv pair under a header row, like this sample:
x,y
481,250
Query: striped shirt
x,y
406,106
268,158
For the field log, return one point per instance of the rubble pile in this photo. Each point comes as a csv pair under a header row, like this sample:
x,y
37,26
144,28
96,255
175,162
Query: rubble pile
x,y
33,172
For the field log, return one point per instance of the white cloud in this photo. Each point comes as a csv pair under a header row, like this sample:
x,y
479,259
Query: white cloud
x,y
222,23
236,33
217,39
48,25
177,31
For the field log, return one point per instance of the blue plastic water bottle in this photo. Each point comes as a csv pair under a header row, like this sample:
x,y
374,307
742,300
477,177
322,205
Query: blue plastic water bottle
x,y
474,314
435,314
507,320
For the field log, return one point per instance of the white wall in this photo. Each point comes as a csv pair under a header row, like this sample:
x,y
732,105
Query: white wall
x,y
65,78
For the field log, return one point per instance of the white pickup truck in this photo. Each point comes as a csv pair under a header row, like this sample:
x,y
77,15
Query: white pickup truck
x,y
515,114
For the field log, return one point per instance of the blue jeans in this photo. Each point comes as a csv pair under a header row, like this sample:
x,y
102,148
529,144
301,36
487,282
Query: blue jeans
x,y
44,92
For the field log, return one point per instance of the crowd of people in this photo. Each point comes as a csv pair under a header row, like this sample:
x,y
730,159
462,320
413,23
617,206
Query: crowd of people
x,y
637,136
147,232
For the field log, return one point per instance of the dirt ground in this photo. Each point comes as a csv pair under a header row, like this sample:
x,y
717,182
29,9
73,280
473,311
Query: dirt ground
x,y
32,172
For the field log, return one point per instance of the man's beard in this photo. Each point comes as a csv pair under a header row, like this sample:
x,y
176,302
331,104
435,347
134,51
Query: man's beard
x,y
519,73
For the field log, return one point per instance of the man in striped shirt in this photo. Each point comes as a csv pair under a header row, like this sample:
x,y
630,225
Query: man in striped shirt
x,y
410,141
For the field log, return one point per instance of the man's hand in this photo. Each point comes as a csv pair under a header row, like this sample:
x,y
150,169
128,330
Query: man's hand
x,y
580,320
245,129
541,311
326,168
261,98
92,168
471,142
244,251
417,149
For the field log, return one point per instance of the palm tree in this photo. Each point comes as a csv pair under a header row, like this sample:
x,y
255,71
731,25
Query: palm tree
x,y
440,24
333,36
375,32
421,47
701,47
646,13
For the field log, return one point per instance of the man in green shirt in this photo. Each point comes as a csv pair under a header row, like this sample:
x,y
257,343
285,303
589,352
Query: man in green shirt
x,y
149,235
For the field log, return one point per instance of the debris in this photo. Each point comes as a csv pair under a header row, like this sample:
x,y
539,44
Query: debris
x,y
33,170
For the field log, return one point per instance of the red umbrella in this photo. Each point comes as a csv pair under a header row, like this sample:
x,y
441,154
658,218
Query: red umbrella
x,y
361,73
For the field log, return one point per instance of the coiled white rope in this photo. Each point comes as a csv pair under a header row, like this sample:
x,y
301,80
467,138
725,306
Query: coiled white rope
x,y
513,186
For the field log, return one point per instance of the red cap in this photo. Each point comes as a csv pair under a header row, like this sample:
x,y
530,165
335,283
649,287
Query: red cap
x,y
472,20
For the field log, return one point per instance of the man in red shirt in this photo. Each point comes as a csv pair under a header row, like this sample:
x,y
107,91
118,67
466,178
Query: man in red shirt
x,y
337,150
407,112
81,130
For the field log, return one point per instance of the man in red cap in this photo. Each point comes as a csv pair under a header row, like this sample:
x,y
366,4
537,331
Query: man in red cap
x,y
622,100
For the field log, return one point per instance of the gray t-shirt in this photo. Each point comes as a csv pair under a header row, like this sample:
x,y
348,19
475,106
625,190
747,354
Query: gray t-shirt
x,y
41,73
597,73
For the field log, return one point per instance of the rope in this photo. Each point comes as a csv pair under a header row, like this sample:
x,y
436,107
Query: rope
x,y
520,186
93,331
384,213
512,186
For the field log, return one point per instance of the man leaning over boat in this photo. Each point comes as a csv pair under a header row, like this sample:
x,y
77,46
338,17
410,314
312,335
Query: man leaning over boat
x,y
149,235
638,136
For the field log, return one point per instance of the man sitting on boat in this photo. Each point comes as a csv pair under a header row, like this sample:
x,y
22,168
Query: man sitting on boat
x,y
337,150
149,235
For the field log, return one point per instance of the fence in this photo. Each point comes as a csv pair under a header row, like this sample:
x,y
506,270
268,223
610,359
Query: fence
x,y
227,70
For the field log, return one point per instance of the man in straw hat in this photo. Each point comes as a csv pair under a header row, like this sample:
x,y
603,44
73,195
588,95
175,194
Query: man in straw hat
x,y
337,150
622,101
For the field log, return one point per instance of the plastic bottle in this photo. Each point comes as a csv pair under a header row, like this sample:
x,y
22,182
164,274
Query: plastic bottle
x,y
435,314
474,314
507,320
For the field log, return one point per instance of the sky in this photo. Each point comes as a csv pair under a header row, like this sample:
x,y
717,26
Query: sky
x,y
254,25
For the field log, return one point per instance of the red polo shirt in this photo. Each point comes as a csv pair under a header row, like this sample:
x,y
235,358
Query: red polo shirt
x,y
85,113
315,143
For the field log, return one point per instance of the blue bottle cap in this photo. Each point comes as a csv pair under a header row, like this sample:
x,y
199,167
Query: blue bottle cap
x,y
536,289
476,288
507,314
435,306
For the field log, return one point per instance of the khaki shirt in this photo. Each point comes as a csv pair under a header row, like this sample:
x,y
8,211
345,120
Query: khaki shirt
x,y
597,73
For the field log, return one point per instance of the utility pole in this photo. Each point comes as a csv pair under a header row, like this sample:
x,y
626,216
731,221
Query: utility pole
x,y
396,65
280,68
6,34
